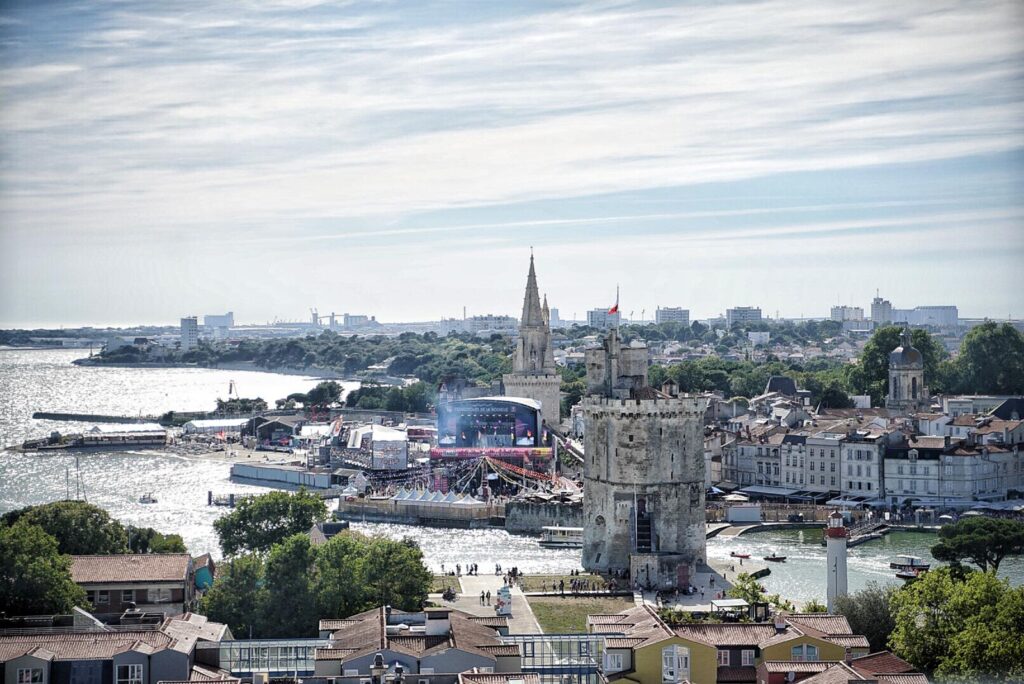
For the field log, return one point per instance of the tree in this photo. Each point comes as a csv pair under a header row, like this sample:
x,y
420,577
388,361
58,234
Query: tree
x,y
746,587
259,522
815,606
991,360
980,540
970,627
80,528
35,578
289,608
324,394
394,574
148,540
237,596
868,613
874,360
339,571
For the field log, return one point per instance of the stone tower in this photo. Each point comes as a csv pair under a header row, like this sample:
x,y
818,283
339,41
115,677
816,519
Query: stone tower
x,y
643,503
534,375
907,391
835,558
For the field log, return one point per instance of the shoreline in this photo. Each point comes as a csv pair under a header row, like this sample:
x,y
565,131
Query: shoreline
x,y
313,372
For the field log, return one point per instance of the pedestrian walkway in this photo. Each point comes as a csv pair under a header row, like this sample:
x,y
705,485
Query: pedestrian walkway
x,y
522,620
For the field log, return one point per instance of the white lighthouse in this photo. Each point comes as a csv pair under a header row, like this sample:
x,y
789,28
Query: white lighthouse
x,y
836,535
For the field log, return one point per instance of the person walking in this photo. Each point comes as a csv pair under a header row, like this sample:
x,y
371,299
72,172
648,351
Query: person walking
x,y
481,598
488,597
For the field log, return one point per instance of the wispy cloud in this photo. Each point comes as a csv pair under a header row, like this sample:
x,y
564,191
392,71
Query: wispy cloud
x,y
231,118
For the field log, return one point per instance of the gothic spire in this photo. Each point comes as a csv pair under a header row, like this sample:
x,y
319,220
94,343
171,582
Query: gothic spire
x,y
533,315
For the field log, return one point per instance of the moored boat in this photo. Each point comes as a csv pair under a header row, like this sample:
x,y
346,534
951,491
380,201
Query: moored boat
x,y
562,537
147,498
775,558
739,555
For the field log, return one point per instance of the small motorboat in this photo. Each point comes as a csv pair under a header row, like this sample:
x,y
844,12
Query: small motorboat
x,y
909,564
739,555
775,558
147,498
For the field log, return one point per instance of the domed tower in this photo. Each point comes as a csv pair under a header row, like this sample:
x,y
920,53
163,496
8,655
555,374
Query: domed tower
x,y
907,391
836,536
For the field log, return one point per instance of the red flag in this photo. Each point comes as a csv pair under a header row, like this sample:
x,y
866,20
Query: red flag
x,y
615,309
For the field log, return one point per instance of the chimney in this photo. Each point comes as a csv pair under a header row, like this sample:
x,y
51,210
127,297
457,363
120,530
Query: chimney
x,y
780,624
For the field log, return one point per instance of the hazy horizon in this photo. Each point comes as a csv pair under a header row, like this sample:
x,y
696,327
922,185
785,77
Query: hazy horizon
x,y
401,160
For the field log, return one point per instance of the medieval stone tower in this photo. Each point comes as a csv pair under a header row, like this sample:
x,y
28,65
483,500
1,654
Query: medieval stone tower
x,y
643,502
534,375
907,391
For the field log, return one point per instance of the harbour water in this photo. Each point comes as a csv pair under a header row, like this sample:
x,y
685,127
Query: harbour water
x,y
46,380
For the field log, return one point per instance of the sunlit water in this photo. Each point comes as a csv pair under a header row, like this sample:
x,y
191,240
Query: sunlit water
x,y
802,577
45,380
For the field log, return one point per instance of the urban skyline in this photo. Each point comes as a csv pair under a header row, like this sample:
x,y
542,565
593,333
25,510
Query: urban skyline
x,y
217,156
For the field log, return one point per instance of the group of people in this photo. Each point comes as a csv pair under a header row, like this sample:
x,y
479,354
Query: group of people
x,y
485,598
471,569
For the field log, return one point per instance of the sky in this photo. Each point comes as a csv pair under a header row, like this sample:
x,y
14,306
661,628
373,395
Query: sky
x,y
400,159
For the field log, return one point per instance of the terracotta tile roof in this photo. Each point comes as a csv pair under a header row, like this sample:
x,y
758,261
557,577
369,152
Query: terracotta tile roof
x,y
499,678
737,674
82,645
729,634
623,642
838,673
492,621
135,567
333,653
904,678
822,622
366,633
201,673
330,625
809,666
502,650
882,661
849,640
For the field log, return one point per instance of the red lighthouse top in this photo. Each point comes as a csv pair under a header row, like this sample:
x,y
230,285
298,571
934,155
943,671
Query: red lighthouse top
x,y
836,527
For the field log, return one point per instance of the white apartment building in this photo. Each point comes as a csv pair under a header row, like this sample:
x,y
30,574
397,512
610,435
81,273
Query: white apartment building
x,y
673,314
602,320
861,463
742,314
793,454
189,333
823,460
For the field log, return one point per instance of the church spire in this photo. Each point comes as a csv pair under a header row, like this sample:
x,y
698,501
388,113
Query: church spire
x,y
533,315
546,311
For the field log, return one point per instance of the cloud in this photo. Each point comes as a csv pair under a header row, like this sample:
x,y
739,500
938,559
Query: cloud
x,y
262,119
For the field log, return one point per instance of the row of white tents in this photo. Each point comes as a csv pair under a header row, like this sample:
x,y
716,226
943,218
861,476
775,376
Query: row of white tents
x,y
425,496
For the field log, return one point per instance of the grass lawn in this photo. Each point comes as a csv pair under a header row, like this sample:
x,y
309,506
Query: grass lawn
x,y
558,615
442,581
537,582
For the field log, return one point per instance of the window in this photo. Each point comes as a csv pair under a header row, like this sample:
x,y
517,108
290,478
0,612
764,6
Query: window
x,y
613,662
869,486
748,657
832,468
161,595
90,596
102,597
675,664
489,670
129,674
805,652
723,657
32,675
527,649
584,648
127,596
